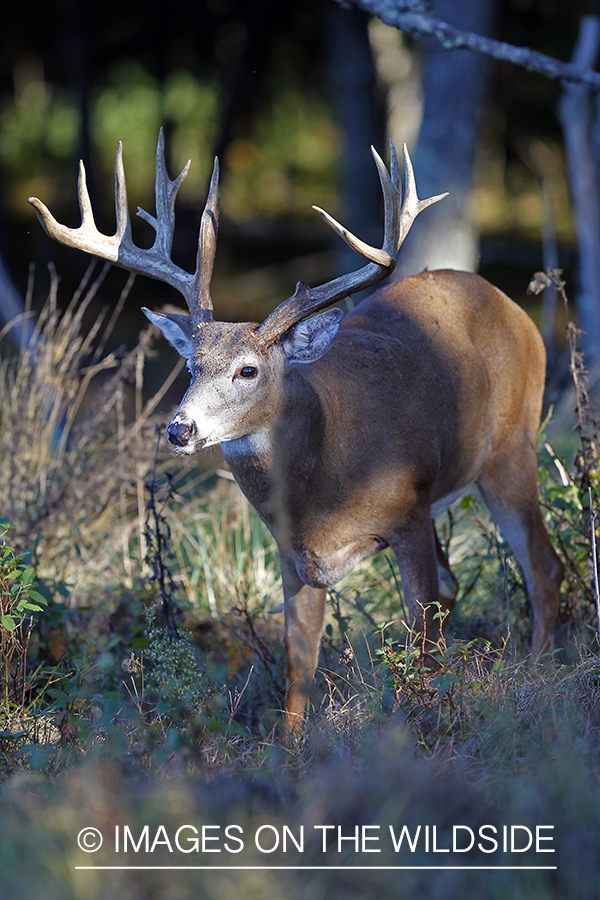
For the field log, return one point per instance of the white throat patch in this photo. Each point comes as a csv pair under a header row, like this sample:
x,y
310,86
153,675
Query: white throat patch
x,y
255,444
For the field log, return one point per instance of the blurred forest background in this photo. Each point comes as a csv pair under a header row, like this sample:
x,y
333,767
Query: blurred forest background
x,y
290,96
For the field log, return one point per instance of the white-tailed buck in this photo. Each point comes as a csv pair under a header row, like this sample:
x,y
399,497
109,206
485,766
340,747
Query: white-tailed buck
x,y
349,434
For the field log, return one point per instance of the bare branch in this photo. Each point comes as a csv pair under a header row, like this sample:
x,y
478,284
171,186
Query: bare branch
x,y
408,16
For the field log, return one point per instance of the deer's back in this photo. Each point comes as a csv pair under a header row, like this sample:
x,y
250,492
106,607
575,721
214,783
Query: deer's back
x,y
443,355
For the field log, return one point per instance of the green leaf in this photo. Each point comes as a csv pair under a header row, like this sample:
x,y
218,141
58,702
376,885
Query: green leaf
x,y
45,591
35,595
32,606
28,575
444,682
8,622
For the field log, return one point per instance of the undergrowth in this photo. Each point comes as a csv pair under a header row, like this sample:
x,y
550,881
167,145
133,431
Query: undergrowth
x,y
143,663
161,635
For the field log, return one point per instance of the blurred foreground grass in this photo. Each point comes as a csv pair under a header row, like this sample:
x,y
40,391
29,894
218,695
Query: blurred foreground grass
x,y
541,772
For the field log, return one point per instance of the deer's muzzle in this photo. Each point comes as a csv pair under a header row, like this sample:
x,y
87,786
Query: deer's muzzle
x,y
180,432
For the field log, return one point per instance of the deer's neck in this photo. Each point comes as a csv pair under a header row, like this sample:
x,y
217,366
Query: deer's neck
x,y
250,459
267,462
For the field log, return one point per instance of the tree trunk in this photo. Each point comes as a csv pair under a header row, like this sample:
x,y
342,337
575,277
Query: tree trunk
x,y
12,309
575,114
453,87
360,113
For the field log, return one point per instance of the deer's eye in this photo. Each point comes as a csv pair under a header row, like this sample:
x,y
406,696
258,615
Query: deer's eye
x,y
246,372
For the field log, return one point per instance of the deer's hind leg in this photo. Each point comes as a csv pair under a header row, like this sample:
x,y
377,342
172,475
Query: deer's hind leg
x,y
509,487
426,577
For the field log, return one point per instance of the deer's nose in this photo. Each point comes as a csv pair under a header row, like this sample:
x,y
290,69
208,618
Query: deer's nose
x,y
180,432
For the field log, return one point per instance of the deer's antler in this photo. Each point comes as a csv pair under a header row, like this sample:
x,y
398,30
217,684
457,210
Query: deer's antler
x,y
156,261
382,262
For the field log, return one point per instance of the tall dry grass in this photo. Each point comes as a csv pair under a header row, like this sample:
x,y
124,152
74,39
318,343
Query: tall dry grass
x,y
74,438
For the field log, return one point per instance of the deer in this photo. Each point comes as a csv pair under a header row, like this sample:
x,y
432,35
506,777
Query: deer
x,y
351,433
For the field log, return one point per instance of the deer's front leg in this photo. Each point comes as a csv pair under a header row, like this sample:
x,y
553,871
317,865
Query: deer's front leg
x,y
415,550
304,613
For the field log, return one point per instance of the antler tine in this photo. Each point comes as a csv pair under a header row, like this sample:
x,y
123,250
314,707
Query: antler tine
x,y
382,261
165,192
85,204
386,255
412,206
119,247
123,232
207,245
391,188
86,237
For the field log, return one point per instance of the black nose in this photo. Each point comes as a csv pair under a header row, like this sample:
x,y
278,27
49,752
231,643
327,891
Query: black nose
x,y
181,432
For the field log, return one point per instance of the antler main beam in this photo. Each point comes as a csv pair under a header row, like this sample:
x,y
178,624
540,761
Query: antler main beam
x,y
156,261
382,261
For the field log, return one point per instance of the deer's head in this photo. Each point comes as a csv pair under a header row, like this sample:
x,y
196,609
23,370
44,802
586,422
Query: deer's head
x,y
236,378
236,370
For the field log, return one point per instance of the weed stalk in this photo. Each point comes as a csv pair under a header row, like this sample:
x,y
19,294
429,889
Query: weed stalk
x,y
593,515
157,536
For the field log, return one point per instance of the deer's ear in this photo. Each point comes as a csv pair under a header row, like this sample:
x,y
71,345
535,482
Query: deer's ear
x,y
311,338
177,329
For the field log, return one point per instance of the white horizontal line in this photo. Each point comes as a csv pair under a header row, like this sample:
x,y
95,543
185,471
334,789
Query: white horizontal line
x,y
324,868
